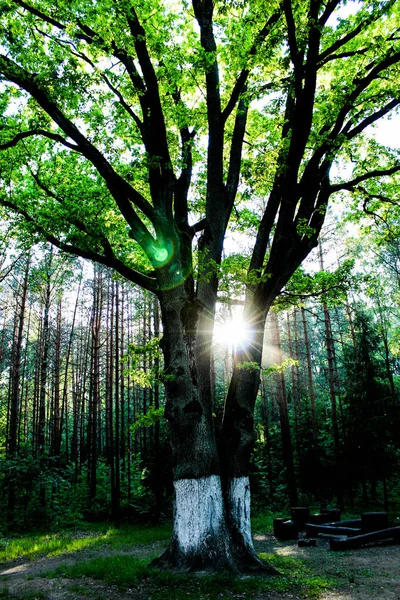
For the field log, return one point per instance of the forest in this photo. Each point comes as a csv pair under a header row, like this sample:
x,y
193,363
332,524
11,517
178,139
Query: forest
x,y
83,432
199,266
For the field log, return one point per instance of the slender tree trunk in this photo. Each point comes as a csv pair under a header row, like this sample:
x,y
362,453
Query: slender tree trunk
x,y
56,430
12,448
122,380
94,397
384,334
287,447
267,435
64,401
293,352
24,417
330,349
44,370
117,491
16,367
158,473
130,397
310,378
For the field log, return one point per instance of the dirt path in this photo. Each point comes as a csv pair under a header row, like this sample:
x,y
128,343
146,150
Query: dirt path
x,y
368,574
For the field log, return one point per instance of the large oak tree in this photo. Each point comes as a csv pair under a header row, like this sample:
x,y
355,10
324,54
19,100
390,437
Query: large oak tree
x,y
134,133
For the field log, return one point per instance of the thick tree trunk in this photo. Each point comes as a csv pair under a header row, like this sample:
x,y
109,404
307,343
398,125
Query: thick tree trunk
x,y
211,522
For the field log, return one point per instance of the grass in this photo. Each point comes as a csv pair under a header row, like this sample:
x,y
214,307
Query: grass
x,y
127,572
265,522
5,593
34,546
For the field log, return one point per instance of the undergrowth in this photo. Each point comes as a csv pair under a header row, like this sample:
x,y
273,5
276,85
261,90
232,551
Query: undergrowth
x,y
56,544
127,572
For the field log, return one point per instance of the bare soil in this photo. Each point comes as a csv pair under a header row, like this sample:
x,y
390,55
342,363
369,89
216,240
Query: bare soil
x,y
369,574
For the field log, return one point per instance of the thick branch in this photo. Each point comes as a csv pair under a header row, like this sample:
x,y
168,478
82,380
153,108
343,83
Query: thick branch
x,y
119,188
330,7
76,222
91,37
295,55
140,279
155,130
236,152
242,79
372,118
374,16
351,185
25,134
203,10
342,55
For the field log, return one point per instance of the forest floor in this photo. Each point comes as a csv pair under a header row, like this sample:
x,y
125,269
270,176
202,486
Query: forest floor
x,y
107,573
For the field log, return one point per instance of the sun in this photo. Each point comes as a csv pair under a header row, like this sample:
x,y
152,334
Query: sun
x,y
233,332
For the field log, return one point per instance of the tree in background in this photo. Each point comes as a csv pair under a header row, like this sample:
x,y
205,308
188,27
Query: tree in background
x,y
105,109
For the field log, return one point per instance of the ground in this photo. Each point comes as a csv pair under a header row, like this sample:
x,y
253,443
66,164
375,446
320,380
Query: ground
x,y
368,574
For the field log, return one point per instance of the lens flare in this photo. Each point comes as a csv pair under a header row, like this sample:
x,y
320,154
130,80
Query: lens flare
x,y
232,333
161,255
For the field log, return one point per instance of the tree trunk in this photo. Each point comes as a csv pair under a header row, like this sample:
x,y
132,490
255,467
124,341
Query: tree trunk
x,y
332,378
310,378
56,429
117,490
294,355
211,524
12,447
287,446
94,397
268,447
16,367
64,401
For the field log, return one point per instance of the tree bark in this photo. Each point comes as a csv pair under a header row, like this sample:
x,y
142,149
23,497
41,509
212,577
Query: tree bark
x,y
332,378
211,520
286,437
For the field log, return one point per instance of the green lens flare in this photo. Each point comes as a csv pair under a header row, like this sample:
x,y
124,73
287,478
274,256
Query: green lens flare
x,y
161,255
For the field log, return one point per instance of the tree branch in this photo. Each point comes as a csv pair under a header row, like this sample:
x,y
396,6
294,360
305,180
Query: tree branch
x,y
52,136
351,185
75,222
199,226
242,79
155,130
91,37
295,55
330,7
140,279
361,85
235,157
120,189
374,16
372,118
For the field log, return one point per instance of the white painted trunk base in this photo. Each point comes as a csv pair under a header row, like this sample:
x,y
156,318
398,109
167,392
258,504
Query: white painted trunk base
x,y
198,511
239,501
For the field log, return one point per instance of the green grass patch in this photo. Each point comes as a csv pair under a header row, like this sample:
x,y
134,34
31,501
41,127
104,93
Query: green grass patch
x,y
127,572
34,546
265,522
5,593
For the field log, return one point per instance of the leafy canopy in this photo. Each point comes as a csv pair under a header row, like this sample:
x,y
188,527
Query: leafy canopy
x,y
126,128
